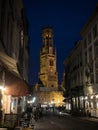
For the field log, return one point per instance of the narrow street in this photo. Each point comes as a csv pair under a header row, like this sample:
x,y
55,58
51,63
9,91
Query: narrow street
x,y
53,122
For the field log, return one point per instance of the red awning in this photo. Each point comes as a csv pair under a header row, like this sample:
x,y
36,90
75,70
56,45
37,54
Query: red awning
x,y
14,83
15,86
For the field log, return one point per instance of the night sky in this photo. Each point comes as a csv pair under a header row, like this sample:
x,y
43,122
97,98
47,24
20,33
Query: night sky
x,y
67,17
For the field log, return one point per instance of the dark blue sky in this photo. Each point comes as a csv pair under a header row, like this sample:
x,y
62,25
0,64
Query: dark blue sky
x,y
67,17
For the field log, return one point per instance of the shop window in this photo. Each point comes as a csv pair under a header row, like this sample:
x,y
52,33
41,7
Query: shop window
x,y
97,105
92,105
87,105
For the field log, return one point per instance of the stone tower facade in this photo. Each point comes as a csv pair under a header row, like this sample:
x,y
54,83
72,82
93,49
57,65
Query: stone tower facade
x,y
47,92
48,74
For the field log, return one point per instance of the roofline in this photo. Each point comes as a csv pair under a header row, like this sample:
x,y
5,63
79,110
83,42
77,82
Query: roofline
x,y
92,17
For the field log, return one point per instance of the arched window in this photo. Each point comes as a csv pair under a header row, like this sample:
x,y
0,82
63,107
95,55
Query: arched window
x,y
51,62
52,86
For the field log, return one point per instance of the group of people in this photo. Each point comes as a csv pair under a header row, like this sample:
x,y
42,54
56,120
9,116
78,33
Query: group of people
x,y
32,114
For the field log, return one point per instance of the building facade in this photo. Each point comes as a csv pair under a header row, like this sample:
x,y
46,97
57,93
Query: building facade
x,y
81,79
48,73
47,88
14,56
74,76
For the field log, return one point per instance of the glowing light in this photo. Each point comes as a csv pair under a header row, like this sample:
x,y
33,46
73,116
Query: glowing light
x,y
2,88
91,104
34,98
97,104
97,96
86,97
92,97
82,97
58,101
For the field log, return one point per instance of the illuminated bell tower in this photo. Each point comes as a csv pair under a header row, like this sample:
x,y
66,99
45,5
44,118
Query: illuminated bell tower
x,y
48,74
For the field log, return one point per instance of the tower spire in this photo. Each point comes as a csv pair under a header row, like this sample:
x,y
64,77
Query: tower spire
x,y
47,35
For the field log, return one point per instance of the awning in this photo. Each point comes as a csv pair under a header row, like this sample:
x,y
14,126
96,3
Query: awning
x,y
9,63
15,86
14,83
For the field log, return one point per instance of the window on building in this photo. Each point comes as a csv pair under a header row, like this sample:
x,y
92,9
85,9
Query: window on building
x,y
80,58
86,104
96,49
85,57
90,54
92,78
97,105
92,105
96,76
89,38
51,62
47,35
85,43
81,102
52,86
95,31
50,43
50,35
22,38
96,64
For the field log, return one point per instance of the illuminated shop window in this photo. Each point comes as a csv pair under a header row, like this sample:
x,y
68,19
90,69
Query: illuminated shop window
x,y
96,96
81,101
91,104
86,104
97,105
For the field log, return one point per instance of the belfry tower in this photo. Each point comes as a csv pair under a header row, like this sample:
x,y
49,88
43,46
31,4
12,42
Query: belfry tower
x,y
46,90
48,74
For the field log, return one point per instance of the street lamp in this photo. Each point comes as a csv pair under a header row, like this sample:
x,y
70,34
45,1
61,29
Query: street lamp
x,y
2,88
34,98
31,101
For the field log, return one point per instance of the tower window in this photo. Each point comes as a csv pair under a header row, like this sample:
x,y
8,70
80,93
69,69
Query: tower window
x,y
50,44
52,86
51,62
